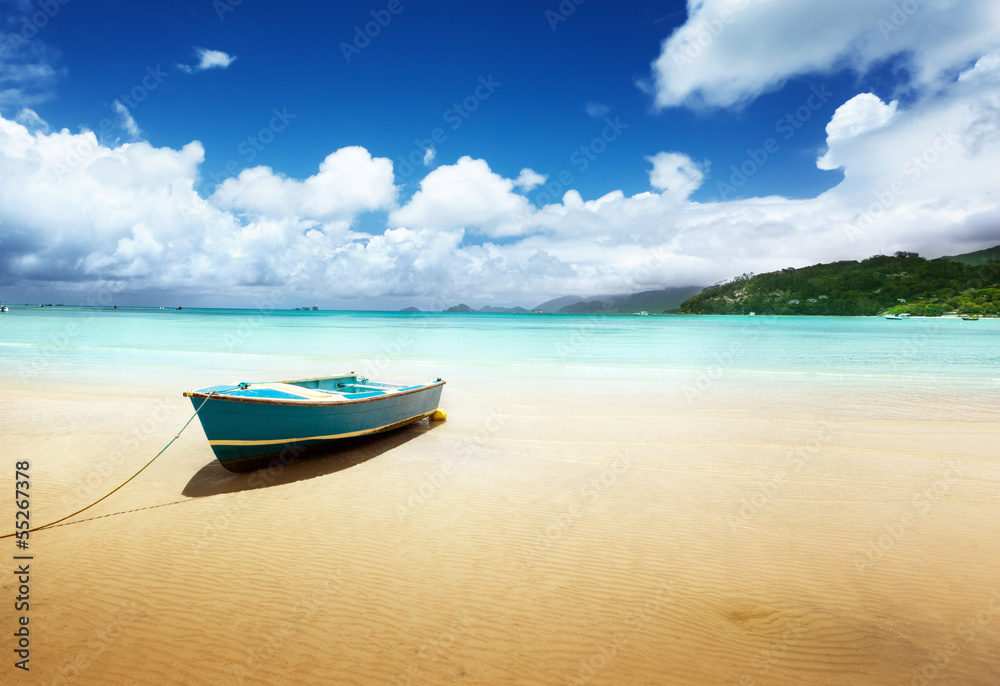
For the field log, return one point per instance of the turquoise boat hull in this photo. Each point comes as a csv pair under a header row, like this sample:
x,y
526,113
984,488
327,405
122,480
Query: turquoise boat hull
x,y
252,424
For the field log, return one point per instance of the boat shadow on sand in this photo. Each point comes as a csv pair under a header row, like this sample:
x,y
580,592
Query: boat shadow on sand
x,y
214,479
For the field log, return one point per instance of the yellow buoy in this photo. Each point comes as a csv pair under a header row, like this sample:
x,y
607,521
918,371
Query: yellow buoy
x,y
439,415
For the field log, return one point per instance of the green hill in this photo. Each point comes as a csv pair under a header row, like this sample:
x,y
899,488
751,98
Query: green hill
x,y
904,282
979,257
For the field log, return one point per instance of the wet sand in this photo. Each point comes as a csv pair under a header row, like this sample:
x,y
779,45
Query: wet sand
x,y
555,532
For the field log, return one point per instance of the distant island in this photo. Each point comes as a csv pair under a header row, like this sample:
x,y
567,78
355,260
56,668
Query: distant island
x,y
652,302
647,302
896,284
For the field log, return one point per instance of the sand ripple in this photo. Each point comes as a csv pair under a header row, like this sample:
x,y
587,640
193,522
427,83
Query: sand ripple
x,y
582,538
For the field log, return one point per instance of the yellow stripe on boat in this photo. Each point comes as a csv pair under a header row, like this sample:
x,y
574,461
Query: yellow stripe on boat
x,y
331,437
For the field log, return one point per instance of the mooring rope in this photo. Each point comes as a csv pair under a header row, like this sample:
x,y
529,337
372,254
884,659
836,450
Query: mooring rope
x,y
106,495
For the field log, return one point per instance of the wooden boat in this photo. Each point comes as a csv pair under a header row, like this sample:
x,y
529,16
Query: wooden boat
x,y
250,424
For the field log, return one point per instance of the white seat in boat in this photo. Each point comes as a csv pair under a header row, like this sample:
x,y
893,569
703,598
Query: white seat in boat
x,y
299,391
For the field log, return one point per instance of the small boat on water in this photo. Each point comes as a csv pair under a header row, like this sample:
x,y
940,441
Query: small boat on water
x,y
249,424
970,317
3,306
897,316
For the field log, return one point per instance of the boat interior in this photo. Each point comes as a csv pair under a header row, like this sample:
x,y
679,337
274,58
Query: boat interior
x,y
331,388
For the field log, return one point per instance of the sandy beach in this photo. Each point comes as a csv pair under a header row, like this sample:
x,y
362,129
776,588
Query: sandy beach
x,y
577,532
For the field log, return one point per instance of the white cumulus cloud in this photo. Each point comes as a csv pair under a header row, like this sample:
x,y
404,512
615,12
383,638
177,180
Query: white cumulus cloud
x,y
728,52
985,70
81,216
467,194
349,181
209,59
529,178
675,174
861,114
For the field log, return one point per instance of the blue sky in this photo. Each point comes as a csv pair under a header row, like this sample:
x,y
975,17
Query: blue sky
x,y
695,143
397,89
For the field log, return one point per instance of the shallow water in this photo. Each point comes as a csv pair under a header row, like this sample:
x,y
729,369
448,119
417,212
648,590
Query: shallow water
x,y
122,342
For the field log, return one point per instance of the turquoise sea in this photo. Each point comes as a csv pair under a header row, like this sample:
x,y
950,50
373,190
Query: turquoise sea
x,y
193,347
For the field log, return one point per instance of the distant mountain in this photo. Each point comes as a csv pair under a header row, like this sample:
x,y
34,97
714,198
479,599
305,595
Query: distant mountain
x,y
489,309
409,309
589,307
657,302
654,302
553,306
976,258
